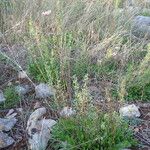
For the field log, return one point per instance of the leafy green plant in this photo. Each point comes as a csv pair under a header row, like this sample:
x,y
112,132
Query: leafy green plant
x,y
137,92
43,71
92,132
45,65
81,67
12,98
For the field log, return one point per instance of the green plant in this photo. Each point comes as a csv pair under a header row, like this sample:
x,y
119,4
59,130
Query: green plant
x,y
145,13
44,65
12,98
82,100
138,92
92,132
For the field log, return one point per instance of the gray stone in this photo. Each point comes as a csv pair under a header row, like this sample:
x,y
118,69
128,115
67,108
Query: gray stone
x,y
141,26
5,140
7,124
44,91
11,116
22,90
10,112
22,75
38,113
38,129
20,110
2,98
130,111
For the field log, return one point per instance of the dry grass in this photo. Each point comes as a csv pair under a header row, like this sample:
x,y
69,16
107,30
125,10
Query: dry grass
x,y
75,44
75,33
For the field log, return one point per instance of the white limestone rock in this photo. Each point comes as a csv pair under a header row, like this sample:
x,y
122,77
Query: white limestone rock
x,y
13,115
38,129
10,112
22,90
44,91
6,124
130,111
5,140
22,75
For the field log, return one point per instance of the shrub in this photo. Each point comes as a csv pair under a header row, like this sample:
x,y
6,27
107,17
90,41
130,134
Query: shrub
x,y
12,98
92,132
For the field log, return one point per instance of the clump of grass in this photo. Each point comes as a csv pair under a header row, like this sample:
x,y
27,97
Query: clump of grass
x,y
90,128
86,132
61,44
138,93
79,38
12,98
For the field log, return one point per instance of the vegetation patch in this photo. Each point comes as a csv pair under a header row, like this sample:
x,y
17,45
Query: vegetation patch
x,y
12,98
92,132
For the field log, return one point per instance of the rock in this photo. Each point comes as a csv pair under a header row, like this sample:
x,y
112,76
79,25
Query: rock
x,y
67,112
22,90
5,140
141,26
22,75
20,110
2,98
38,129
10,112
44,91
7,124
37,114
11,116
130,111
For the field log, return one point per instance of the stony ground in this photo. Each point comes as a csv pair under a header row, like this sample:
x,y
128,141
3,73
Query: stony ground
x,y
141,126
29,103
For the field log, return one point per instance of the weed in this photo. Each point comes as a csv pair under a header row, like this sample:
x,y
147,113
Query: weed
x,y
88,132
12,98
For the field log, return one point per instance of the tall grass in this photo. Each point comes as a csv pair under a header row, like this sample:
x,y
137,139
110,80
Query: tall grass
x,y
66,38
70,42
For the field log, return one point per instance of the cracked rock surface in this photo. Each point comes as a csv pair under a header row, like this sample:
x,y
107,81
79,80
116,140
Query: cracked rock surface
x,y
5,140
130,111
6,124
38,129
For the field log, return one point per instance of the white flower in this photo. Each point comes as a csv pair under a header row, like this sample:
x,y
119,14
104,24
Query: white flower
x,y
46,13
